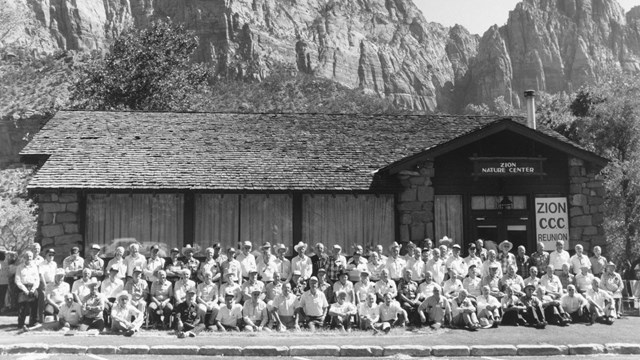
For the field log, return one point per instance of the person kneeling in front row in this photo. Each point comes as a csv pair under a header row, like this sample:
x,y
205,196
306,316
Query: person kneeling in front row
x,y
391,314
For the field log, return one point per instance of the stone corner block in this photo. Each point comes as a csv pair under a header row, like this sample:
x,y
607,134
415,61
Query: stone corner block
x,y
620,348
174,350
265,351
26,348
408,350
133,349
586,349
493,350
102,349
542,350
314,350
216,350
450,350
67,349
361,350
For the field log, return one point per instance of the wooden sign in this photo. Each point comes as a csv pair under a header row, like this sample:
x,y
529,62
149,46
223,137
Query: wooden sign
x,y
552,221
508,166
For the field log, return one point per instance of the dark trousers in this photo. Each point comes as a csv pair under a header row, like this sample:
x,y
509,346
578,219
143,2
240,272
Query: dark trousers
x,y
186,326
92,323
533,315
27,308
584,318
314,322
343,324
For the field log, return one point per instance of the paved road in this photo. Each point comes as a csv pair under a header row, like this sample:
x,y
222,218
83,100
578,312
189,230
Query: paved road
x,y
174,357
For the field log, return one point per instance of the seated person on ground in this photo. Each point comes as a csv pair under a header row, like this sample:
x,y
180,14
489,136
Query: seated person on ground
x,y
283,309
369,314
254,313
533,314
93,306
341,312
230,315
55,293
313,305
188,321
391,314
601,304
435,310
408,297
488,308
463,313
575,305
124,316
70,313
553,312
512,309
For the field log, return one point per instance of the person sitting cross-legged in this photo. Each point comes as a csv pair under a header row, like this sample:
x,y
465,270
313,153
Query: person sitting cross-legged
x,y
254,313
435,309
160,301
391,314
488,308
512,309
553,312
533,314
230,315
124,316
283,309
463,313
93,306
188,321
369,314
138,289
575,305
341,312
207,299
313,305
70,313
408,297
601,304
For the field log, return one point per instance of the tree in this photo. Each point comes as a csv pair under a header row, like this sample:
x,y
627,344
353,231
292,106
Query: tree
x,y
497,107
18,214
146,69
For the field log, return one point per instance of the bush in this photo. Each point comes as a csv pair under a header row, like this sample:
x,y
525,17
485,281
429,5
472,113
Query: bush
x,y
18,213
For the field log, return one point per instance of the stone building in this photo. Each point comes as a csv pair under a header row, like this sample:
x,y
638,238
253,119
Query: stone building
x,y
201,178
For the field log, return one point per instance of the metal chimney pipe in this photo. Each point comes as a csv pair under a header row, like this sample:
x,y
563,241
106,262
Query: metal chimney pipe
x,y
530,99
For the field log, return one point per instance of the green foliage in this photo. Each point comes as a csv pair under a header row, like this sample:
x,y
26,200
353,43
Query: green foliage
x,y
498,107
286,90
146,69
18,214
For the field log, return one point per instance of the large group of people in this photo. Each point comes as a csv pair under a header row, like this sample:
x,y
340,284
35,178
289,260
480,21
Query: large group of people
x,y
262,289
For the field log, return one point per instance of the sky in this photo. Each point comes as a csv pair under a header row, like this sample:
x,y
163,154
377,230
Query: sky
x,y
477,15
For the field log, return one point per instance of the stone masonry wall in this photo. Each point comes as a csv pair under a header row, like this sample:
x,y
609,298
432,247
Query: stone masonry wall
x,y
58,222
415,203
586,209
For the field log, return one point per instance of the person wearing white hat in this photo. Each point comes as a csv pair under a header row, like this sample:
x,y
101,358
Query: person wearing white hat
x,y
207,299
122,314
182,286
48,268
255,314
154,264
302,262
190,262
247,260
95,263
265,263
283,265
504,256
229,315
612,282
395,263
135,258
93,306
54,294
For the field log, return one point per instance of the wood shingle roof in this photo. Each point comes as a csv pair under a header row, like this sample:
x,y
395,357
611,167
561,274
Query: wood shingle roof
x,y
233,151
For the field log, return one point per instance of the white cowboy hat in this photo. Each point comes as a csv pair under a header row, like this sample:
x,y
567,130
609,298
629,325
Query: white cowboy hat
x,y
505,244
299,245
445,241
123,294
188,248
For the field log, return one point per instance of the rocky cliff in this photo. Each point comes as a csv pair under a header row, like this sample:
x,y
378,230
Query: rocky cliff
x,y
383,46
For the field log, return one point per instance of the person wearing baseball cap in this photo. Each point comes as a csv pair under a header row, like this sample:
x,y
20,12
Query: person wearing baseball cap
x,y
73,265
254,313
110,288
95,263
138,289
313,305
154,263
229,315
174,265
188,321
230,286
251,284
534,314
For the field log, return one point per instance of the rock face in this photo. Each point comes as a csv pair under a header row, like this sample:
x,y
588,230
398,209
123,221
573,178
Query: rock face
x,y
384,46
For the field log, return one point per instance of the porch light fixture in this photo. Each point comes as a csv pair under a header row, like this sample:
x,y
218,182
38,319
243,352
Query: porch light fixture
x,y
505,203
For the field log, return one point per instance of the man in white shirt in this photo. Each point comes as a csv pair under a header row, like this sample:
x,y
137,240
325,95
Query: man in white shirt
x,y
369,313
55,293
395,263
283,265
416,265
247,260
154,264
341,312
265,263
391,314
559,257
575,305
70,313
600,304
302,262
551,283
283,309
134,259
229,314
313,305
27,280
79,289
455,261
579,260
385,286
436,267
73,265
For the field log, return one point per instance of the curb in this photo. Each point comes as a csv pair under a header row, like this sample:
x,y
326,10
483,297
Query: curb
x,y
330,350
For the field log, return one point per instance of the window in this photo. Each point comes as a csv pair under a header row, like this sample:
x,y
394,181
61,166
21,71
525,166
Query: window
x,y
448,217
492,202
231,218
348,220
121,219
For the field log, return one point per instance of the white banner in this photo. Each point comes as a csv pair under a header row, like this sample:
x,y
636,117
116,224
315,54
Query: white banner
x,y
552,221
